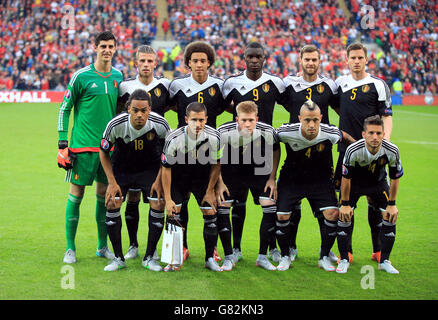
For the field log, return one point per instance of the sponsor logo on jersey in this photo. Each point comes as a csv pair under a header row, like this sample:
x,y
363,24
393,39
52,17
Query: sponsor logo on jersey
x,y
365,88
104,144
94,85
67,94
157,92
320,88
150,136
212,91
265,87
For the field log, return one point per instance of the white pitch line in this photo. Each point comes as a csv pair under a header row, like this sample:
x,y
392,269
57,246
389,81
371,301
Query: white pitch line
x,y
421,142
428,115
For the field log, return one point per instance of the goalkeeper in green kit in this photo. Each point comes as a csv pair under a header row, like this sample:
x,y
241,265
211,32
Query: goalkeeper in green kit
x,y
92,96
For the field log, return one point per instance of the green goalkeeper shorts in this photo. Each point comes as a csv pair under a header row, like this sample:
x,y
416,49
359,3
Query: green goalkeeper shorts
x,y
86,169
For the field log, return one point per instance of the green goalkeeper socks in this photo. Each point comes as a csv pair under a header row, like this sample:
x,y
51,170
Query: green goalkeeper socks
x,y
102,233
72,219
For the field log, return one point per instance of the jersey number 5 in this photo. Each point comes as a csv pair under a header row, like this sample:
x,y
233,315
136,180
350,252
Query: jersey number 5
x,y
353,96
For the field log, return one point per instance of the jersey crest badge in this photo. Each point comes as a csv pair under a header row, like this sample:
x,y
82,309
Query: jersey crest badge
x,y
212,92
320,88
150,136
157,92
382,162
265,87
115,84
365,88
320,147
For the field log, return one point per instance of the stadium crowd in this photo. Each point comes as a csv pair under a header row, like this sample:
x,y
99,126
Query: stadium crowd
x,y
37,52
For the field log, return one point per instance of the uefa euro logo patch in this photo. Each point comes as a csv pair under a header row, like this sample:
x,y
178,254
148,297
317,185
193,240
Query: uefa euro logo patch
x,y
163,158
67,94
344,170
104,144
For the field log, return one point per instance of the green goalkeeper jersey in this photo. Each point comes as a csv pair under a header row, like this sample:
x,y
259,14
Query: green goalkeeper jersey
x,y
93,97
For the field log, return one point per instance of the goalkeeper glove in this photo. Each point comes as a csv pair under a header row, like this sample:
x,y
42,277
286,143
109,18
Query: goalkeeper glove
x,y
65,155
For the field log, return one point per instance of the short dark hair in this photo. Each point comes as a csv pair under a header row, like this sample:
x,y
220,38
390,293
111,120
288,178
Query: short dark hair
x,y
308,48
104,36
196,107
139,94
373,120
199,46
356,46
255,45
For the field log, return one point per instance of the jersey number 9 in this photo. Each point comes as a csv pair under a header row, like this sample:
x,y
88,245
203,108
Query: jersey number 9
x,y
255,93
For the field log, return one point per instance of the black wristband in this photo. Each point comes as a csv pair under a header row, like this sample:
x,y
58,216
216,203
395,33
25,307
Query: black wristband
x,y
62,144
391,203
345,203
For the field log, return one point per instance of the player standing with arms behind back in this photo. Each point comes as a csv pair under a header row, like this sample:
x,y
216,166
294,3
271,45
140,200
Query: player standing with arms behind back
x,y
362,95
198,86
266,90
321,90
92,94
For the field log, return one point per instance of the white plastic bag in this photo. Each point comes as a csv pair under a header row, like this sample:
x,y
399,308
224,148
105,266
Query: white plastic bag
x,y
172,247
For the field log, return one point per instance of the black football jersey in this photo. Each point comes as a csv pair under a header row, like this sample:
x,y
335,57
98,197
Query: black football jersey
x,y
191,158
185,90
266,92
135,150
248,155
157,89
308,161
322,91
361,99
366,169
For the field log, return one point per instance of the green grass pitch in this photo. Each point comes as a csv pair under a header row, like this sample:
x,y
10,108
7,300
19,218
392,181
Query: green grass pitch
x,y
33,195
